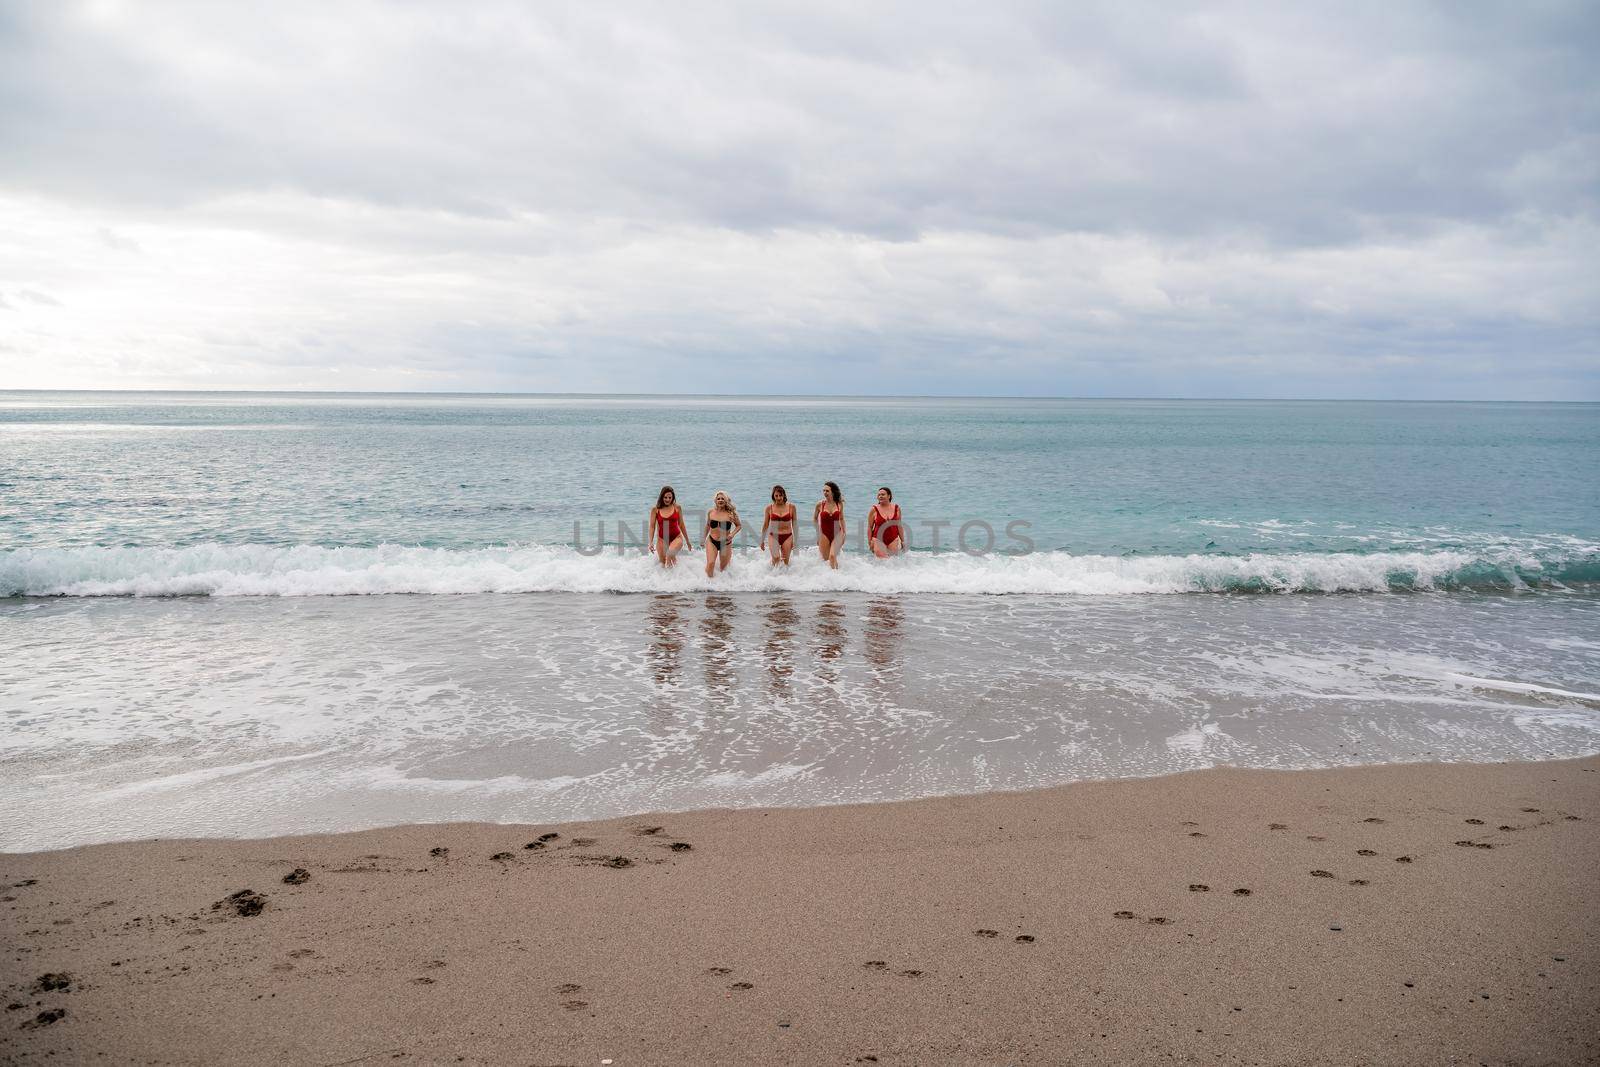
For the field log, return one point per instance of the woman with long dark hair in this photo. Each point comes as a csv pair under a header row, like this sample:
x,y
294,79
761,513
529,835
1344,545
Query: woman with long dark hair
x,y
828,518
668,536
779,519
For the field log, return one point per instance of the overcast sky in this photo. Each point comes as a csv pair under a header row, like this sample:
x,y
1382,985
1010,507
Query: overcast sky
x,y
1339,199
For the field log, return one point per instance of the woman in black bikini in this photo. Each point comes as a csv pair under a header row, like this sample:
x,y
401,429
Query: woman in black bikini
x,y
722,522
781,522
828,517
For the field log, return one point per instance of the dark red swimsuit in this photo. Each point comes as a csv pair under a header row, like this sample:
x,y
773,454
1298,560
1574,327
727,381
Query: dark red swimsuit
x,y
889,526
783,538
826,519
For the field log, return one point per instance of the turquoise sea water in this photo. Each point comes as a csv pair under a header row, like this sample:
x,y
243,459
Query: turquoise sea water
x,y
1252,583
147,493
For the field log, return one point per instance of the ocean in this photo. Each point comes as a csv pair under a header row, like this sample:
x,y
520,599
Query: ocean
x,y
247,614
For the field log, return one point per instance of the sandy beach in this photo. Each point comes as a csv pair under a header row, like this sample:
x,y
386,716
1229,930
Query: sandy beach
x,y
1394,914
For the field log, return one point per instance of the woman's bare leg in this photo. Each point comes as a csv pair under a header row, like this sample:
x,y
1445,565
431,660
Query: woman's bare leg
x,y
824,546
711,557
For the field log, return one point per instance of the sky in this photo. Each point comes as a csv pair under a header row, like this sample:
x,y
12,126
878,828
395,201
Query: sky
x,y
1386,200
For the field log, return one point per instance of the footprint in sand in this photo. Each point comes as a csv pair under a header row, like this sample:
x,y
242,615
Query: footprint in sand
x,y
502,857
681,846
1197,833
1188,824
1315,837
566,989
1158,920
1474,822
619,862
47,1017
298,876
1572,818
719,971
1025,939
987,933
1322,874
533,846
1403,859
583,842
1196,887
1277,826
422,981
439,852
1241,892
1365,852
1358,881
1373,818
1122,915
648,831
245,903
875,965
910,974
574,1005
1474,844
742,985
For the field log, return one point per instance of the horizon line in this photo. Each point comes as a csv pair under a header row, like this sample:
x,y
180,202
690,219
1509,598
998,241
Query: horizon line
x,y
795,396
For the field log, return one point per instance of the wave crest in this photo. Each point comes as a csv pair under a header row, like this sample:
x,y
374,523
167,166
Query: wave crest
x,y
311,570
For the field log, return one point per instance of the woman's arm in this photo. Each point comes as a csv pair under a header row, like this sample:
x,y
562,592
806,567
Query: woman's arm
x,y
650,533
766,524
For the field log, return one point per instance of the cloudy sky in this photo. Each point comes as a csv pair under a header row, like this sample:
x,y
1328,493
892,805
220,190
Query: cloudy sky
x,y
1360,200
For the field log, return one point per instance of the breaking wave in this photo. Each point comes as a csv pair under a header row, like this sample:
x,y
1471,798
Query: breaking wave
x,y
311,570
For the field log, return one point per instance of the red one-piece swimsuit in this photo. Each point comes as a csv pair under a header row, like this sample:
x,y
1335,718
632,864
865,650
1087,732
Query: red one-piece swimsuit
x,y
890,526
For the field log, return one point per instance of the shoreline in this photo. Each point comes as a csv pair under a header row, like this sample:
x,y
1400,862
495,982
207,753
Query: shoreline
x,y
984,928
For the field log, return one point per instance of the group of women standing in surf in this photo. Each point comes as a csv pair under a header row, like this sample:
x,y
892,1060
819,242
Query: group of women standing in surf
x,y
669,534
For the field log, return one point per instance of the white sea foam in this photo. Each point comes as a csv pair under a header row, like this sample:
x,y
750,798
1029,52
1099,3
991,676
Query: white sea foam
x,y
309,570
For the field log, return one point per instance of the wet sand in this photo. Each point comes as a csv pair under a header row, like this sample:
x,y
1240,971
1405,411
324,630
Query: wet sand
x,y
1398,914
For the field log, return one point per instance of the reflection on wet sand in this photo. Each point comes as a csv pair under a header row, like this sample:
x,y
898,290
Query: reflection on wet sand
x,y
718,646
885,633
782,620
665,627
829,639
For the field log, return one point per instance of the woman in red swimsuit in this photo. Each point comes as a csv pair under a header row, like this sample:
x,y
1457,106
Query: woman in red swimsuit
x,y
667,534
779,518
828,518
884,526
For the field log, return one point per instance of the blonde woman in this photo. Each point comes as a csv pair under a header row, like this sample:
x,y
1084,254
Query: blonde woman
x,y
722,523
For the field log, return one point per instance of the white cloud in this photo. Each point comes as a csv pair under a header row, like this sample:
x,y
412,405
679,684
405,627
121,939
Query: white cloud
x,y
1134,200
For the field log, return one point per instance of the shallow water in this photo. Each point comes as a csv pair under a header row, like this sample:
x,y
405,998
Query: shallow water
x,y
245,716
